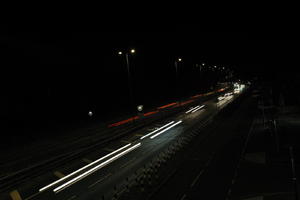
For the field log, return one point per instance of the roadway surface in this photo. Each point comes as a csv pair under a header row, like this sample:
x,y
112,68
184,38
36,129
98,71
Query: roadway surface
x,y
209,168
98,172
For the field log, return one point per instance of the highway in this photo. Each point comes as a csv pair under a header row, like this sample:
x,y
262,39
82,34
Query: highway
x,y
211,168
99,172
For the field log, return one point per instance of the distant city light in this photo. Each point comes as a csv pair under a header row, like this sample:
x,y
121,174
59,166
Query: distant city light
x,y
132,51
90,113
179,59
120,53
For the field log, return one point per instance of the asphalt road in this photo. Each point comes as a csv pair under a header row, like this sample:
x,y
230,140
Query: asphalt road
x,y
209,168
98,178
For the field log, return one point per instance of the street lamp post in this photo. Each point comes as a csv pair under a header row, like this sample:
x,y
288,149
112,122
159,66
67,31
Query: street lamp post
x,y
132,51
176,69
200,71
129,77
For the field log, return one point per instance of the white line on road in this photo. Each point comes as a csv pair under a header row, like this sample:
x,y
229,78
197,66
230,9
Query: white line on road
x,y
127,163
101,179
72,197
183,197
196,179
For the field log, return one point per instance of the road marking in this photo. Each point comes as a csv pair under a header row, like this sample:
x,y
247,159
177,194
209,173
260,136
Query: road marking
x,y
31,196
72,197
87,160
128,162
196,179
101,179
59,174
183,197
122,191
108,149
207,163
15,195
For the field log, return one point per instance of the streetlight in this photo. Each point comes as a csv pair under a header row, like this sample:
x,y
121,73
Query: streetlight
x,y
132,51
176,69
176,64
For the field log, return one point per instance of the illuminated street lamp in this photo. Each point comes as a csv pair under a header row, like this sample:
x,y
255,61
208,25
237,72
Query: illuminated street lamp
x,y
176,69
132,51
176,65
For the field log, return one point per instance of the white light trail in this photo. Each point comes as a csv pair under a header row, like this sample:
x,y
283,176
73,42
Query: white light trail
x,y
157,130
192,109
197,109
101,165
157,134
220,98
75,172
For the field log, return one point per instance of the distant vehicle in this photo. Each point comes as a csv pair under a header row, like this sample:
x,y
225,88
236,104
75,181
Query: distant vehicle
x,y
228,94
220,98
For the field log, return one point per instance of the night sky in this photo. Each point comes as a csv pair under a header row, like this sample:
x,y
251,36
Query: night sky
x,y
59,73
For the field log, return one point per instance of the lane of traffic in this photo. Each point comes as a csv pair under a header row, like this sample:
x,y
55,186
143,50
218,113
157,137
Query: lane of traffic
x,y
167,126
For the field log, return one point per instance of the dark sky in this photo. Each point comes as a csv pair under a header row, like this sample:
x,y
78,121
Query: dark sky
x,y
77,67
